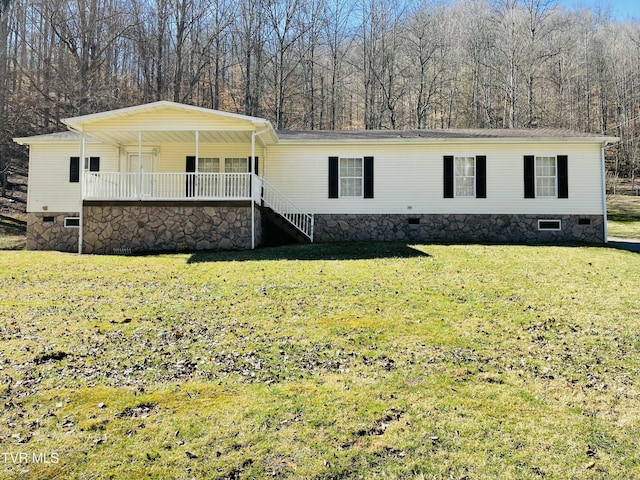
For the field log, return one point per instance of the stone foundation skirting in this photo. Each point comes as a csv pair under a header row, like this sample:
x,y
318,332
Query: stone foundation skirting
x,y
121,227
46,231
450,228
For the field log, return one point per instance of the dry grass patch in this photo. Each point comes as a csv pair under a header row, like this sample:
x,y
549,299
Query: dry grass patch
x,y
12,233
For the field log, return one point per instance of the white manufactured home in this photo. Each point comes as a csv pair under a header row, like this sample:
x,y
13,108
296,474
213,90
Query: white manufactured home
x,y
166,176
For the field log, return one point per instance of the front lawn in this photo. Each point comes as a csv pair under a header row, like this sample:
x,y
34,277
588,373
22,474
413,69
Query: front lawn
x,y
623,214
374,360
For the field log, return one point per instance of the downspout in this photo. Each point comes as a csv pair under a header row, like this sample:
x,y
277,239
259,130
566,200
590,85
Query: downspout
x,y
604,191
82,192
253,167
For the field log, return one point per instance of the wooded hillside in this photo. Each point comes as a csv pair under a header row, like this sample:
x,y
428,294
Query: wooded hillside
x,y
326,64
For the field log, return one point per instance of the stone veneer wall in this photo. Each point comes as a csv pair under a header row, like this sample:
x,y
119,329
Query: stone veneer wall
x,y
53,235
170,226
448,228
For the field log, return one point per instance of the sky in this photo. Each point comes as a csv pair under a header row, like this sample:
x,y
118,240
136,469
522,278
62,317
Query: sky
x,y
621,10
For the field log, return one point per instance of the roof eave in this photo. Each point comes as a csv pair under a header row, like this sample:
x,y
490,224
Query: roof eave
x,y
78,122
52,138
422,141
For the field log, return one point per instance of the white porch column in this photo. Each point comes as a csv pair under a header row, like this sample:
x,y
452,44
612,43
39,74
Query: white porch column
x,y
196,188
82,191
139,179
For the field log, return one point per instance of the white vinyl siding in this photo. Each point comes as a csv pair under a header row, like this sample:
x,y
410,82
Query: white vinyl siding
x,y
408,175
409,178
465,176
49,184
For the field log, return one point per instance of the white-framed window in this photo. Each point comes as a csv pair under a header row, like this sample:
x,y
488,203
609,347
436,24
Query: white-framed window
x,y
91,164
546,177
71,222
550,225
351,177
208,165
236,165
465,176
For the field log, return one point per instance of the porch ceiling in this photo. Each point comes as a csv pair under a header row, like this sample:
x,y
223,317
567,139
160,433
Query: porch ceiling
x,y
122,137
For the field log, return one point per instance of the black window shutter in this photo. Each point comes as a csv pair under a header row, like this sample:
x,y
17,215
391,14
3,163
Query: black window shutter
x,y
448,176
529,176
191,164
481,176
74,169
94,164
191,181
368,177
563,176
254,168
333,177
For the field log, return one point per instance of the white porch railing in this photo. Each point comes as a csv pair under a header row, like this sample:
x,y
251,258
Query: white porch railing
x,y
284,207
195,186
167,186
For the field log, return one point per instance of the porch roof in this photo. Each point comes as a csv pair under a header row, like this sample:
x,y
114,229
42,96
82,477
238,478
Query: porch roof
x,y
169,122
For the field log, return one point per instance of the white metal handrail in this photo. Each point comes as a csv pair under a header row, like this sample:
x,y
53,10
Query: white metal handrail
x,y
284,207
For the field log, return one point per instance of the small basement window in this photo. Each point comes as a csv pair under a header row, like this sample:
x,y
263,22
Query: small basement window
x,y
72,222
48,219
414,221
584,221
553,225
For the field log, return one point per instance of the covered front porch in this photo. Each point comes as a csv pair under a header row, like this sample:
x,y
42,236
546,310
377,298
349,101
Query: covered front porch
x,y
166,151
168,162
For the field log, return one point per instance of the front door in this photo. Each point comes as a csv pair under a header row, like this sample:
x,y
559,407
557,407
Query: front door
x,y
146,166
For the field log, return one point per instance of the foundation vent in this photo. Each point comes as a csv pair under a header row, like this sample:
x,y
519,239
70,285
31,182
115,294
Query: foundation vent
x,y
121,251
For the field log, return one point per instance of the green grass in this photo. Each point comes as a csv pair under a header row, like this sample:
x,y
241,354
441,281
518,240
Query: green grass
x,y
323,361
623,213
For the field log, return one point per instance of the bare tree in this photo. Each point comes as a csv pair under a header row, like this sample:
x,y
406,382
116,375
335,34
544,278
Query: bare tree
x,y
339,41
326,63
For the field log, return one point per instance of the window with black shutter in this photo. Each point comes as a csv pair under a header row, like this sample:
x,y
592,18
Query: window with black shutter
x,y
563,176
368,177
333,177
546,176
465,176
448,176
190,167
529,176
94,164
481,176
74,169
